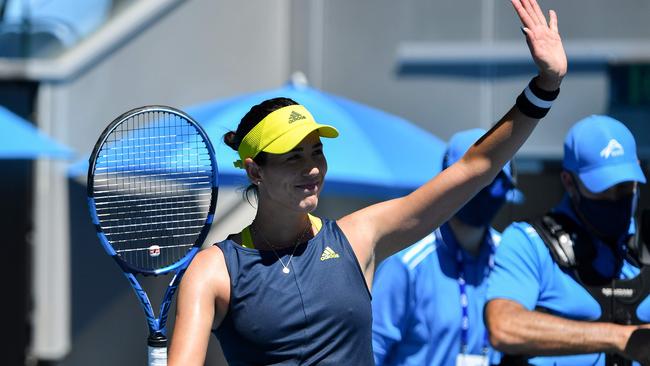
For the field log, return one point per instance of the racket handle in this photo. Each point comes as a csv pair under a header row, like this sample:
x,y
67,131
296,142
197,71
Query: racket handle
x,y
157,346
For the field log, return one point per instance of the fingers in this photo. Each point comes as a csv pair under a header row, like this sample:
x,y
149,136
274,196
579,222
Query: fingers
x,y
553,21
538,12
526,20
530,13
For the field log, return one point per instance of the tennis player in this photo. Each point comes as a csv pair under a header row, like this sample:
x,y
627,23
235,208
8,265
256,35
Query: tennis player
x,y
292,288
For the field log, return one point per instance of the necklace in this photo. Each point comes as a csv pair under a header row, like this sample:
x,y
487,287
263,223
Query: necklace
x,y
285,268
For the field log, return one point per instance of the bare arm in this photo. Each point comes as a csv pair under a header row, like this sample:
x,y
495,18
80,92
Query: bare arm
x,y
517,330
407,219
202,301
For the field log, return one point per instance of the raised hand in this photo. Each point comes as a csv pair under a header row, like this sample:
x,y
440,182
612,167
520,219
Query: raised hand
x,y
544,43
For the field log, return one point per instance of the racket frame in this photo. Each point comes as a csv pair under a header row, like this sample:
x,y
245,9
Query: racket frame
x,y
157,325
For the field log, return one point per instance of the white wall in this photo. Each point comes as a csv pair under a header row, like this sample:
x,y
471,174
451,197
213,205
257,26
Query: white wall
x,y
360,60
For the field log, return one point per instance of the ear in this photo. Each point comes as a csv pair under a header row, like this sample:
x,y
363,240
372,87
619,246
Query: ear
x,y
252,170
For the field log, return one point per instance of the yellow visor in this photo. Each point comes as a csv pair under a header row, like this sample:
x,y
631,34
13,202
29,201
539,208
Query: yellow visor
x,y
280,132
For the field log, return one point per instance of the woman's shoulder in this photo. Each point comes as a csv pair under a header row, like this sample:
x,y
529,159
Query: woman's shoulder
x,y
209,262
207,278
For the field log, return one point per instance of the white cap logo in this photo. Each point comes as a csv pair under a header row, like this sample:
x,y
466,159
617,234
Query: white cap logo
x,y
613,148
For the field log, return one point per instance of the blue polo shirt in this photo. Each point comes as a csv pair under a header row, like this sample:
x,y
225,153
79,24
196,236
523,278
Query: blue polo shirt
x,y
416,303
526,273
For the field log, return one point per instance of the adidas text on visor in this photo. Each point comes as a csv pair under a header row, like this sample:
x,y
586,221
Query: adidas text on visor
x,y
281,131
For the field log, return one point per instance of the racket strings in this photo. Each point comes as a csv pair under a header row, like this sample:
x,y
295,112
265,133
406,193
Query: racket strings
x,y
152,188
131,156
152,212
135,249
137,198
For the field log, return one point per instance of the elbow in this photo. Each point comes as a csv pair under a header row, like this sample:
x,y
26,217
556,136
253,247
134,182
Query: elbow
x,y
502,332
501,339
480,169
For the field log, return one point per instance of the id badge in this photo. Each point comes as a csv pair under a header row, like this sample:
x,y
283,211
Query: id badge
x,y
472,360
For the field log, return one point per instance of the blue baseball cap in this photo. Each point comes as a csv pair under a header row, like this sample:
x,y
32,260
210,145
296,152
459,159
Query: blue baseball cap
x,y
461,141
602,152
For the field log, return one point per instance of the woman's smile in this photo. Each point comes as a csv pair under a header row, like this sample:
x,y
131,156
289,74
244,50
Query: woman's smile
x,y
309,187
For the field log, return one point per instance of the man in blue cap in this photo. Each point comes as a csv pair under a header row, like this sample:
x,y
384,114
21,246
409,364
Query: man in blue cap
x,y
428,299
567,288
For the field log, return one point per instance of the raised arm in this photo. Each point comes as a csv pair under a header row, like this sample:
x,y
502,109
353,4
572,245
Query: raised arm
x,y
204,288
407,219
517,330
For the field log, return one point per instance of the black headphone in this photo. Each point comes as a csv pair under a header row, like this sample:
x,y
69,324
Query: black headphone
x,y
639,244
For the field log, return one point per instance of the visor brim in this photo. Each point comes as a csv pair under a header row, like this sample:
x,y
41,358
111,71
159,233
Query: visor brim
x,y
290,139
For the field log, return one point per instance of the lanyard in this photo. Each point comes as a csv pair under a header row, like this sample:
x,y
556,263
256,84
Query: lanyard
x,y
464,301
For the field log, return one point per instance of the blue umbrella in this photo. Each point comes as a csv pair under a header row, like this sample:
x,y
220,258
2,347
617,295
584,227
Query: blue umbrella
x,y
376,154
20,139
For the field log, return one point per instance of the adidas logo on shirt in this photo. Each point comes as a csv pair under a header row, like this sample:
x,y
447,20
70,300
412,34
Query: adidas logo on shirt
x,y
295,116
328,253
613,148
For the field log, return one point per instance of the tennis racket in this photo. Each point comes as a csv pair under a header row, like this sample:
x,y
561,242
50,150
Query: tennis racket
x,y
152,192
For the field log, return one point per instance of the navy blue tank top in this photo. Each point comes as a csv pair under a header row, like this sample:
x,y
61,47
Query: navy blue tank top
x,y
318,314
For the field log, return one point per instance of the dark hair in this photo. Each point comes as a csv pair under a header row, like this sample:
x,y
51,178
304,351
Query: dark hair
x,y
256,114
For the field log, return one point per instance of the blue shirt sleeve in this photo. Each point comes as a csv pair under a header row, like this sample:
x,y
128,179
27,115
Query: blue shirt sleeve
x,y
517,272
391,303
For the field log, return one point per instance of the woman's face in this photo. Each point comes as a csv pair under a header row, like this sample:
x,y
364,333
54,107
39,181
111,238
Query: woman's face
x,y
294,180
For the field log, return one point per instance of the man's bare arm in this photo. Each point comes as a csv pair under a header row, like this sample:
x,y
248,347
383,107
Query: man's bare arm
x,y
517,330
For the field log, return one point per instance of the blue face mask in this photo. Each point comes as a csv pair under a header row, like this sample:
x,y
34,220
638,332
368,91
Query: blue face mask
x,y
481,209
610,219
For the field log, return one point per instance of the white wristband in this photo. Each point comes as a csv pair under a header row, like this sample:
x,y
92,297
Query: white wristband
x,y
540,103
533,99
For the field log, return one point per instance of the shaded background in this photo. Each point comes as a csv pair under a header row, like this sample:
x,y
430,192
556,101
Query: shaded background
x,y
444,65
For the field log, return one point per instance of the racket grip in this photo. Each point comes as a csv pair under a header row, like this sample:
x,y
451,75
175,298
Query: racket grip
x,y
157,346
